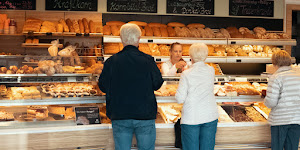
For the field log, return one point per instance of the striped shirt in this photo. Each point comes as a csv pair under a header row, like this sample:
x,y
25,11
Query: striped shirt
x,y
283,97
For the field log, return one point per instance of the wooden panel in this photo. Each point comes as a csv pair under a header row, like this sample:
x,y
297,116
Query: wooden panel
x,y
56,140
45,15
18,16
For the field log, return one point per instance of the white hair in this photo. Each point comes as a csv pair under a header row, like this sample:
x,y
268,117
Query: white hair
x,y
198,52
130,34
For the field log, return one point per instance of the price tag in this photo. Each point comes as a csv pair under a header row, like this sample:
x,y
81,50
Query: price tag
x,y
158,59
233,42
100,58
238,60
221,79
72,79
87,115
231,80
49,33
79,79
241,79
150,41
78,34
86,34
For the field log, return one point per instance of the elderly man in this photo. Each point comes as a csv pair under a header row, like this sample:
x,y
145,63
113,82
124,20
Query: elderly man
x,y
129,79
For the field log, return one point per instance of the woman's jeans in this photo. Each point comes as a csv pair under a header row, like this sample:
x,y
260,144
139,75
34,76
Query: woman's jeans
x,y
199,137
144,131
285,136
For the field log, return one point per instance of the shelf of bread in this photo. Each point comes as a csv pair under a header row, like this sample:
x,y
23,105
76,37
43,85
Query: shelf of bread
x,y
39,45
67,34
245,59
169,40
227,78
291,42
241,98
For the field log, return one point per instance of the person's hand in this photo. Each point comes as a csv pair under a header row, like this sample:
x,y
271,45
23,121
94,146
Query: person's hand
x,y
180,64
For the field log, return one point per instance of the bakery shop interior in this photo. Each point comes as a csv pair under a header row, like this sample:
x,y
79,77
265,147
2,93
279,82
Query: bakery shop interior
x,y
50,62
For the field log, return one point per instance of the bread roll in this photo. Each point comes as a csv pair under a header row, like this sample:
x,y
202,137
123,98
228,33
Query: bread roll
x,y
175,24
115,30
35,41
59,27
236,35
28,40
156,31
196,25
171,32
70,25
48,23
76,26
244,30
211,49
249,35
149,31
232,30
220,35
81,27
118,23
143,32
139,23
225,33
210,33
164,32
66,28
106,30
260,30
153,24
92,26
186,31
86,25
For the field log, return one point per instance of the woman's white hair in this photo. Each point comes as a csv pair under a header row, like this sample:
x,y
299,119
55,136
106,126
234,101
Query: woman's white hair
x,y
130,34
198,52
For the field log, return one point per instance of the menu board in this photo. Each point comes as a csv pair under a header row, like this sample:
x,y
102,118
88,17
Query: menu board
x,y
18,4
142,6
263,8
72,5
87,115
200,7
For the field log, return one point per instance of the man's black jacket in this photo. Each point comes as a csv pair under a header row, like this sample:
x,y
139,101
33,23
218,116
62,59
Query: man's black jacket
x,y
129,79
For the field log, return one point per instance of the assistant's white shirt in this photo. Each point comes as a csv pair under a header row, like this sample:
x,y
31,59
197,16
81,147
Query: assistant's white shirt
x,y
168,69
196,92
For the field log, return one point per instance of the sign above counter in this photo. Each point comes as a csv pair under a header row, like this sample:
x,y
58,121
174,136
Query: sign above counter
x,y
261,8
141,6
18,4
198,7
72,5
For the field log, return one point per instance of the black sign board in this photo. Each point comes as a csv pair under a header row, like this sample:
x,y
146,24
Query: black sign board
x,y
200,7
143,6
264,8
87,115
18,4
72,5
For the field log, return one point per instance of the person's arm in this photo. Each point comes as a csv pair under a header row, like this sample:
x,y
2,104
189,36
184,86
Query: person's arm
x,y
166,71
157,79
273,93
104,79
182,90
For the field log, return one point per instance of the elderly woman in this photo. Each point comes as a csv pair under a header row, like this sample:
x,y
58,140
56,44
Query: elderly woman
x,y
199,113
176,64
283,97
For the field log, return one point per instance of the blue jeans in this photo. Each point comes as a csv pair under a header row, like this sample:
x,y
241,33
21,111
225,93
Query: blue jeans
x,y
199,137
285,136
144,131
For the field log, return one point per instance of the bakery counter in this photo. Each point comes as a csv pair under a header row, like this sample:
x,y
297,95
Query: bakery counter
x,y
241,98
67,34
54,101
227,78
245,59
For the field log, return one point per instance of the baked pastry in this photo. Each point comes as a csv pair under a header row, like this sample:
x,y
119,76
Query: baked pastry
x,y
156,31
86,25
195,33
76,26
149,31
81,27
115,30
92,26
260,30
232,30
153,24
106,30
225,33
175,24
139,23
171,32
59,27
70,25
164,31
196,25
66,28
118,23
210,33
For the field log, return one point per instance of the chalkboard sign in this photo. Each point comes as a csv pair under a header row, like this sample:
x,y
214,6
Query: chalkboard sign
x,y
264,8
18,4
72,5
143,6
200,7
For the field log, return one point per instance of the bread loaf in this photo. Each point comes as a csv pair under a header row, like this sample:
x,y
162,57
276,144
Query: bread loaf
x,y
139,23
106,30
210,33
156,31
164,31
260,30
196,25
66,28
153,24
225,33
48,23
175,24
118,23
220,35
81,27
171,32
232,30
249,35
70,25
244,30
149,31
60,27
92,26
86,25
76,26
115,30
236,35
143,32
